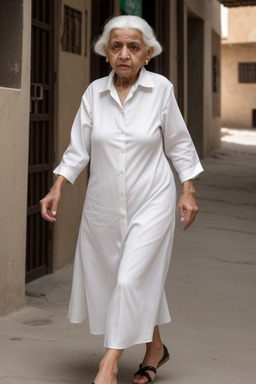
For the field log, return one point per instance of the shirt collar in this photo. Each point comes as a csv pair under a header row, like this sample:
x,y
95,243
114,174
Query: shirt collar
x,y
144,80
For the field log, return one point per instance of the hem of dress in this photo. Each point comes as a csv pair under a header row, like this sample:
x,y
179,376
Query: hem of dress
x,y
139,342
123,347
76,321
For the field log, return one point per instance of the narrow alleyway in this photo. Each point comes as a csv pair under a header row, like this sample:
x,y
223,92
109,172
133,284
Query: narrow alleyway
x,y
210,289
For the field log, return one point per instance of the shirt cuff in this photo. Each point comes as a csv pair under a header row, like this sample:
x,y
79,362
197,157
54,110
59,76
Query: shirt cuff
x,y
191,173
66,172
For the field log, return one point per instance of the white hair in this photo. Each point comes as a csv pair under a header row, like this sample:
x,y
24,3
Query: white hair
x,y
127,21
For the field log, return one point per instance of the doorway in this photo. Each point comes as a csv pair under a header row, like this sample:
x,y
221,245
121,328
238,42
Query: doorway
x,y
157,14
195,73
39,232
101,11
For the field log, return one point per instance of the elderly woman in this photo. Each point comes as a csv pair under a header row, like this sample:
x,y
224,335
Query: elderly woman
x,y
127,125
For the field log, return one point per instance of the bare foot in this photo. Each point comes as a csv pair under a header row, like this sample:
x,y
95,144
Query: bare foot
x,y
105,376
152,357
108,367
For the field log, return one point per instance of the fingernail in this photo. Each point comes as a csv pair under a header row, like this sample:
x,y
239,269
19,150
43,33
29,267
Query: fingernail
x,y
54,213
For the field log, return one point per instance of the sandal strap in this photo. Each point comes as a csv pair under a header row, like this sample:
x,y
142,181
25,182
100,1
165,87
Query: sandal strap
x,y
149,368
142,371
147,375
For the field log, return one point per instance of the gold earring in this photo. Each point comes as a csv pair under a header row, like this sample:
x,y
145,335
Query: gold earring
x,y
106,59
146,62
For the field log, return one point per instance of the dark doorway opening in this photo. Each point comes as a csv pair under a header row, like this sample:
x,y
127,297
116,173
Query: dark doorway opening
x,y
101,11
157,14
195,55
254,118
39,233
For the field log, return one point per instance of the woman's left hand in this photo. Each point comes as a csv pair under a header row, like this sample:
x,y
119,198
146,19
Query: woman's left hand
x,y
187,205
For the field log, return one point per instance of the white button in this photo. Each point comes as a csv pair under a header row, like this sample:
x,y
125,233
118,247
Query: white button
x,y
122,194
121,172
122,150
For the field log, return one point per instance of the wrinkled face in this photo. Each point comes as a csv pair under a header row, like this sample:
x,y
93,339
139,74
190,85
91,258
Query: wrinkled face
x,y
127,52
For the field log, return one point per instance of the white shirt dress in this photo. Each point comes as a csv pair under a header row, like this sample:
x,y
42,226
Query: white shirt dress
x,y
126,233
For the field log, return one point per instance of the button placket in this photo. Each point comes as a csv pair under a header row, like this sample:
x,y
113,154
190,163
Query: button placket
x,y
122,170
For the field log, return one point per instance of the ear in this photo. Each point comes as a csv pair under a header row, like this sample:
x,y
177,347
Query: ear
x,y
150,53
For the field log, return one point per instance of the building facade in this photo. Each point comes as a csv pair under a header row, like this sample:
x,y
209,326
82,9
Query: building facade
x,y
238,67
47,64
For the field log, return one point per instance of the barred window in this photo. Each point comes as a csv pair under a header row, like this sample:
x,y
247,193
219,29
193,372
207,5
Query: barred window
x,y
247,72
71,38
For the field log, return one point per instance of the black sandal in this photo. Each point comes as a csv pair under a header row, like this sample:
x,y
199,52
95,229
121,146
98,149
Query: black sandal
x,y
143,370
165,357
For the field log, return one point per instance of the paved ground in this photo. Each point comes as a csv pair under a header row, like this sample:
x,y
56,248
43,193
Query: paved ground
x,y
210,289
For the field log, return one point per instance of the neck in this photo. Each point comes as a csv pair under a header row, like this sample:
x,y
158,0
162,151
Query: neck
x,y
125,82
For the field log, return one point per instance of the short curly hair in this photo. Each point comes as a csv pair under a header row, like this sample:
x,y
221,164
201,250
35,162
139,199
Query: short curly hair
x,y
127,21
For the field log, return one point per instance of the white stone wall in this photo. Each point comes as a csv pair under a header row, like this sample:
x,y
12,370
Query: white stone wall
x,y
238,99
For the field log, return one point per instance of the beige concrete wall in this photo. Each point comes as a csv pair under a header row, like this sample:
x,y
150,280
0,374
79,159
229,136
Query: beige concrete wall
x,y
14,131
241,25
209,11
73,78
238,99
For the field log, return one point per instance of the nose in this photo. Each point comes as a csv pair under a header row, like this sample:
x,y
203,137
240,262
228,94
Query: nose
x,y
124,53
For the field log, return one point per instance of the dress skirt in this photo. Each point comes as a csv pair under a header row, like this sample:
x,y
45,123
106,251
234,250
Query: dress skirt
x,y
121,276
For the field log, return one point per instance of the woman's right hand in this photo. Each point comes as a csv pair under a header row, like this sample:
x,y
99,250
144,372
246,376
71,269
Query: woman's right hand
x,y
49,204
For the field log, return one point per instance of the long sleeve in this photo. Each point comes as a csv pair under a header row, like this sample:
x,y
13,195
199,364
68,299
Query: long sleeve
x,y
178,144
77,155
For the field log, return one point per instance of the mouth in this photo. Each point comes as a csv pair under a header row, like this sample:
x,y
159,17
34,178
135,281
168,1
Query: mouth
x,y
123,66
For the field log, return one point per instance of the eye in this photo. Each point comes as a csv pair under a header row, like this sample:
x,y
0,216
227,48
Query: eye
x,y
134,48
115,47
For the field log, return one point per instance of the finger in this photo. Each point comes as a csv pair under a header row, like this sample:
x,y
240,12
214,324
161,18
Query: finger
x,y
188,222
190,218
47,217
54,208
182,212
45,211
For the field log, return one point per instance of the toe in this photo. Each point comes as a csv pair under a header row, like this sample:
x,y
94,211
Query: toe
x,y
139,379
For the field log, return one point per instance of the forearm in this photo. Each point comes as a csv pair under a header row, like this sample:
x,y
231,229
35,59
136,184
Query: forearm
x,y
188,187
59,183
